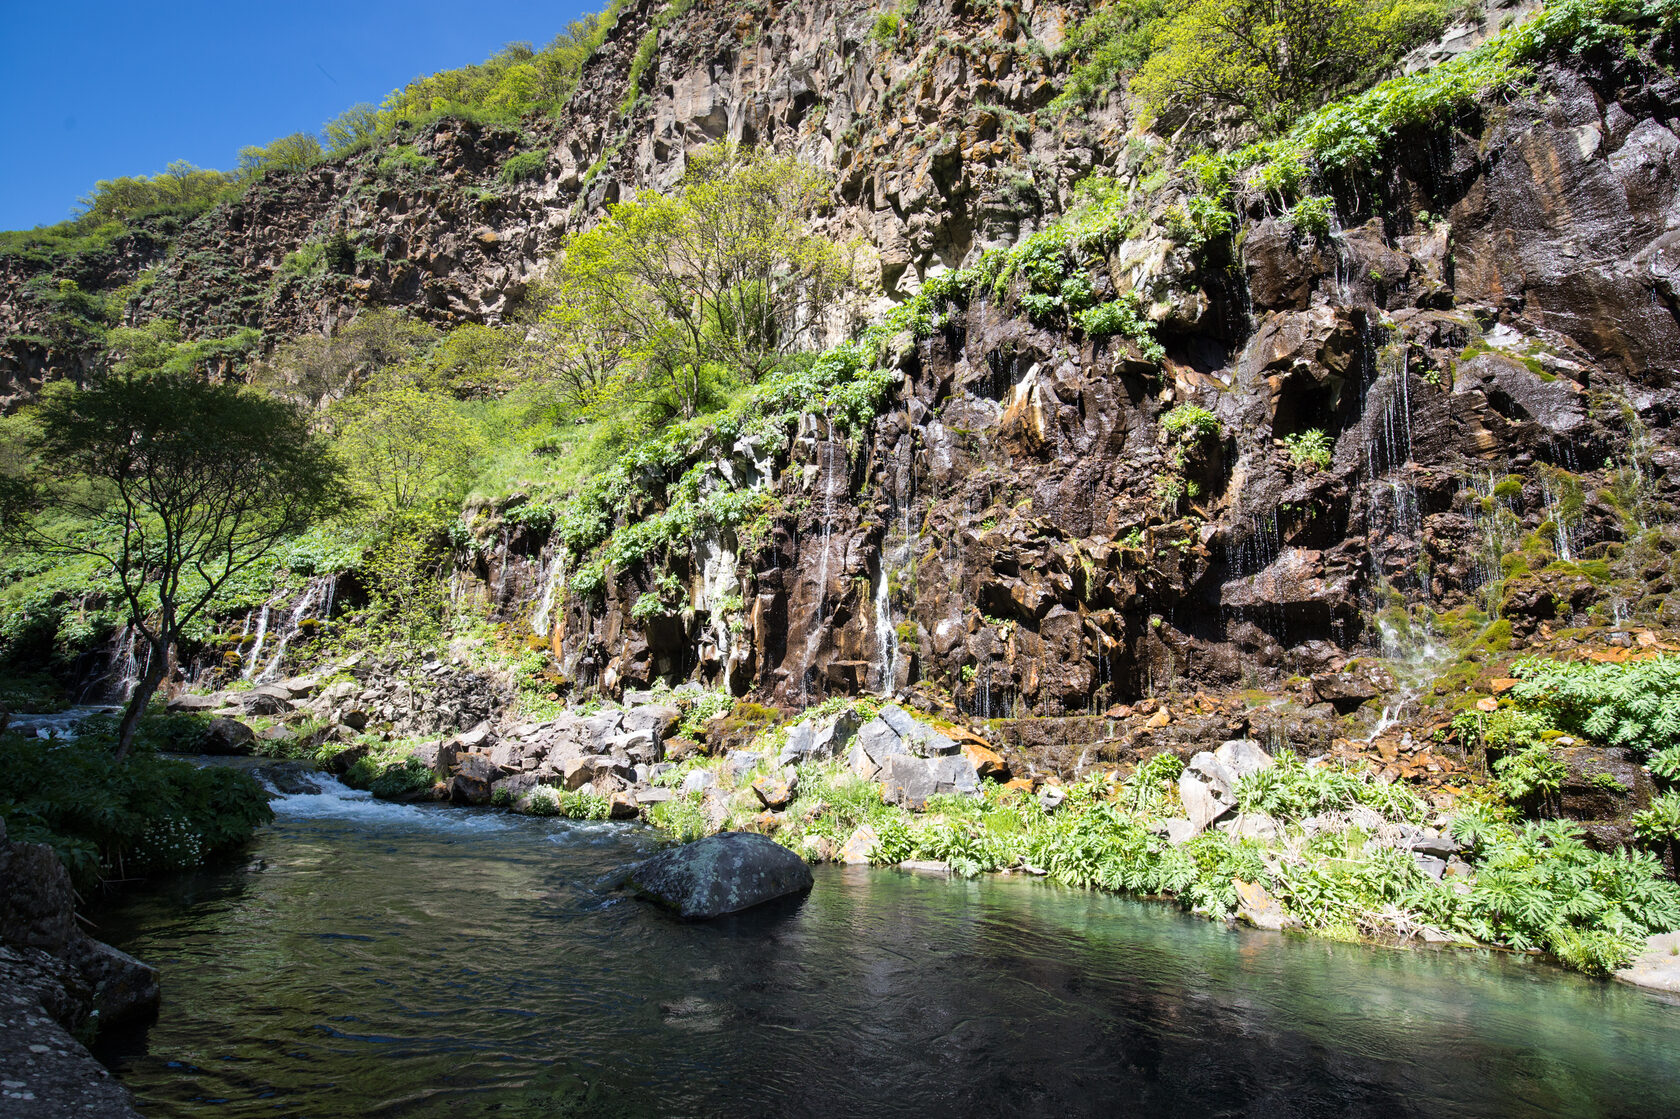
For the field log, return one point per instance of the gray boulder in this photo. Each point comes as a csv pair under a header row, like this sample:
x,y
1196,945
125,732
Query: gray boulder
x,y
910,781
227,736
721,874
698,781
658,719
1243,756
1204,801
265,701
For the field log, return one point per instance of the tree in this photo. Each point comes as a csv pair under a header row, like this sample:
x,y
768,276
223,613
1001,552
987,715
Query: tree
x,y
405,448
297,152
318,367
178,484
355,125
180,184
723,274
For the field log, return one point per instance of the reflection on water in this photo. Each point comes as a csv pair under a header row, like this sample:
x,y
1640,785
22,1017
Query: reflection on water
x,y
377,960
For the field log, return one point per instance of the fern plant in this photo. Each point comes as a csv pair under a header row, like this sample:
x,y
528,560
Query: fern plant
x,y
1659,823
1635,704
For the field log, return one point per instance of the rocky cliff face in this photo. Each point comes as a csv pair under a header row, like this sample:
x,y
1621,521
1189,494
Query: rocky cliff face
x,y
1487,343
934,141
1489,347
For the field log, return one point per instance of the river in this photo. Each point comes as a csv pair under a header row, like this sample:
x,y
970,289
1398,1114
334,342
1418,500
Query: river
x,y
371,959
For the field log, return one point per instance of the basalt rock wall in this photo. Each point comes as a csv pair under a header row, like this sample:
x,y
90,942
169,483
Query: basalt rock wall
x,y
1490,347
933,138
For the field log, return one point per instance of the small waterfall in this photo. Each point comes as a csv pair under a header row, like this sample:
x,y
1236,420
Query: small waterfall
x,y
120,669
317,601
1554,492
831,480
253,658
552,575
1498,528
886,637
1415,656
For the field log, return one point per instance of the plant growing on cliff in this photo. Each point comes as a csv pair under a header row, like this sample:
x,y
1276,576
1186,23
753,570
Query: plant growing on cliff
x,y
403,448
1266,61
178,485
1308,448
721,276
1530,774
1635,704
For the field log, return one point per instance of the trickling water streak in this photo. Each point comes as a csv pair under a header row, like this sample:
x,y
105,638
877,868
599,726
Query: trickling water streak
x,y
550,575
255,656
317,595
825,459
502,576
1563,528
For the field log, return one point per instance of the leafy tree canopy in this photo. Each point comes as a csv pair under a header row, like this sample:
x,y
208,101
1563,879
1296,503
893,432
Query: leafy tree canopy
x,y
717,279
176,484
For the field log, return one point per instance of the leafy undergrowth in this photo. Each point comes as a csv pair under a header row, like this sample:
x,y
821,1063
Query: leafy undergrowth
x,y
126,818
1337,863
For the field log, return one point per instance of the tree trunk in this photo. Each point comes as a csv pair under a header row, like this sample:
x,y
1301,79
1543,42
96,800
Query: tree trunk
x,y
144,688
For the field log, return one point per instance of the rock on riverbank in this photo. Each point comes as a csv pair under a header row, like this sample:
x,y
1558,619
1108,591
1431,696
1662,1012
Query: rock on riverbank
x,y
56,981
721,874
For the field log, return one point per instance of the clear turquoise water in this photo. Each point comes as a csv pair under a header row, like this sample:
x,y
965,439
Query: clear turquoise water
x,y
378,960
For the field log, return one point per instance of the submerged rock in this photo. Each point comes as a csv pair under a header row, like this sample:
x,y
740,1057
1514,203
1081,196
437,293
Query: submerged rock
x,y
721,874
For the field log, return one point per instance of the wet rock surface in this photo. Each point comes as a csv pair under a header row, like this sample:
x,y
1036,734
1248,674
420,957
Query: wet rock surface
x,y
721,874
57,983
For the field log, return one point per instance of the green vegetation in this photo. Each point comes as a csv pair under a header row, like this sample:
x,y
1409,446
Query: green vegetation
x,y
107,815
1634,704
1660,823
546,800
525,165
658,306
1308,448
517,80
1535,886
389,770
179,185
1270,62
1190,422
177,486
1532,773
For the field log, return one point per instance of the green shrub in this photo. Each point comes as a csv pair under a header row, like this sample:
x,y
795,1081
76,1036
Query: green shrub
x,y
1635,704
1530,774
1541,886
1311,217
1191,422
404,160
1308,448
1123,317
1659,823
884,32
1199,221
390,771
525,165
107,816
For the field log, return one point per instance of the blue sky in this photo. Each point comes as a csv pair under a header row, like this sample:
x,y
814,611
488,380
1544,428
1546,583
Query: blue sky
x,y
95,90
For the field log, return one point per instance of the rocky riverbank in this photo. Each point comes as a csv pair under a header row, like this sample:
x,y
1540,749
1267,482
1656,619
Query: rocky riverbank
x,y
1354,840
58,988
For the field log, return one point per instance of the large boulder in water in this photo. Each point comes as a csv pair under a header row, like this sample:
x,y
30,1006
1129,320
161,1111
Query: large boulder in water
x,y
721,874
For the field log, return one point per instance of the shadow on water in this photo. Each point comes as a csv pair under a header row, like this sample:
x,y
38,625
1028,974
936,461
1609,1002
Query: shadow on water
x,y
375,960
